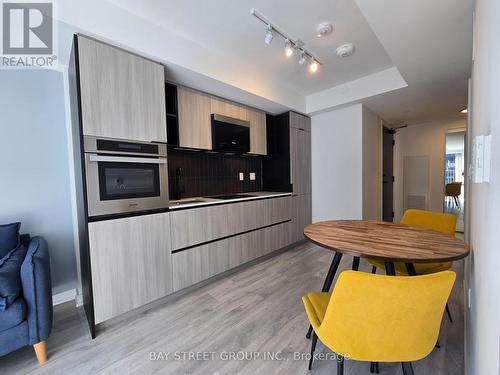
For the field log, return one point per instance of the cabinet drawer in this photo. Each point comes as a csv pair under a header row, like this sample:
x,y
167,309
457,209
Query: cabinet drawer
x,y
195,226
200,263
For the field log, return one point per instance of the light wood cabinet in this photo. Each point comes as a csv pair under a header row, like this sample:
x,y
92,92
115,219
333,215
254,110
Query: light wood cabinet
x,y
258,128
300,160
195,129
122,95
229,109
198,225
202,262
298,121
194,109
130,262
301,216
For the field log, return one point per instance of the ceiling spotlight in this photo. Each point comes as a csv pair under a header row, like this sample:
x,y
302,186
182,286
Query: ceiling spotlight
x,y
269,35
313,66
302,58
463,110
323,29
288,48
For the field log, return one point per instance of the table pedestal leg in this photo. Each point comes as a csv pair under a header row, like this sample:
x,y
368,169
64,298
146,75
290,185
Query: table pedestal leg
x,y
328,281
410,268
389,269
355,263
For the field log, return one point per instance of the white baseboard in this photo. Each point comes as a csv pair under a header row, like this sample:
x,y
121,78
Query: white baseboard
x,y
66,296
79,300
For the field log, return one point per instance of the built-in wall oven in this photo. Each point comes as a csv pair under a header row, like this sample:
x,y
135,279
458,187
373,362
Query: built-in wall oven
x,y
123,176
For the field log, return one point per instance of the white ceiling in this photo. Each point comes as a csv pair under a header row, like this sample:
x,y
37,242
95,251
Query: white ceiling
x,y
422,48
227,27
430,42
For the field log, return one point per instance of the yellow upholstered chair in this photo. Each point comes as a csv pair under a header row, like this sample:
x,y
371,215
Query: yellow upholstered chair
x,y
379,318
444,223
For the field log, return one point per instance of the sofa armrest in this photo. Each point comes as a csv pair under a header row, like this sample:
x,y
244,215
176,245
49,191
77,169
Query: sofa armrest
x,y
37,290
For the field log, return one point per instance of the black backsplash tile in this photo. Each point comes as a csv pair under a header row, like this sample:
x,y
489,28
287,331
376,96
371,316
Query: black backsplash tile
x,y
205,173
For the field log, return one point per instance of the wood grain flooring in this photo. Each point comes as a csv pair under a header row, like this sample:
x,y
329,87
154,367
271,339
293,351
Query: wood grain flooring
x,y
257,309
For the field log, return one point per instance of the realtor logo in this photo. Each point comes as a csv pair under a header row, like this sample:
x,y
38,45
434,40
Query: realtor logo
x,y
28,34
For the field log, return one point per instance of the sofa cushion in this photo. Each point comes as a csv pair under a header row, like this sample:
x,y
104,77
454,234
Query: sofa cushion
x,y
9,238
10,276
13,315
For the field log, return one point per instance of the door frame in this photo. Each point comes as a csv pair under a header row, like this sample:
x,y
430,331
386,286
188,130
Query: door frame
x,y
465,187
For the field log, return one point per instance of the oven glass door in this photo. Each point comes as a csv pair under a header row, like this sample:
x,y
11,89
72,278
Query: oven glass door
x,y
128,180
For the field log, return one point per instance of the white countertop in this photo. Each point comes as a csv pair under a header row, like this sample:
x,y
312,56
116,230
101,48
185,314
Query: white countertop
x,y
204,201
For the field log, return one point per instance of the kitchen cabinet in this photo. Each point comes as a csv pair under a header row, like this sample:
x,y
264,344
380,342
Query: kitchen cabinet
x,y
258,139
130,263
229,109
199,263
298,121
300,160
194,226
122,95
301,216
194,109
300,172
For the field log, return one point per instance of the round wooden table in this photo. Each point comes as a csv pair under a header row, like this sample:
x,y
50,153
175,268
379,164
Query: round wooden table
x,y
384,241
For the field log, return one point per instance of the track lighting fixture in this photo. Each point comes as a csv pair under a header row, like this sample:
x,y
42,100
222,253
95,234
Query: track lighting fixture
x,y
269,35
288,48
302,58
290,44
313,66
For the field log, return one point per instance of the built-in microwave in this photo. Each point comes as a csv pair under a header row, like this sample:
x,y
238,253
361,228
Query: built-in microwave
x,y
124,176
230,134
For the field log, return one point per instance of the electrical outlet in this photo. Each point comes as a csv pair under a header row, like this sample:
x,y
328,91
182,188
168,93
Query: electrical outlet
x,y
242,176
252,176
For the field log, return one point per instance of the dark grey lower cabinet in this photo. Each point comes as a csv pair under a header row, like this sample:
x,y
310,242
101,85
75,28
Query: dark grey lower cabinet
x,y
199,263
301,215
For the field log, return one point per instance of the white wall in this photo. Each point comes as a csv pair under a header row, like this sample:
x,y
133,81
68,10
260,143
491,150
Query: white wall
x,y
372,166
35,180
419,140
336,146
485,198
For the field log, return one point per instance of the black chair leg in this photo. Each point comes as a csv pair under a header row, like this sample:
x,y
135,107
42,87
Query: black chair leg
x,y
374,367
309,331
340,365
407,368
449,313
313,348
374,269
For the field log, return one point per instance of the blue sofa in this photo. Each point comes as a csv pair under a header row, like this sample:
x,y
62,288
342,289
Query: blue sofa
x,y
28,320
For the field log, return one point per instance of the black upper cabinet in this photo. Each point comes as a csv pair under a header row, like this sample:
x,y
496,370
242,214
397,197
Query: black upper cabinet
x,y
276,165
172,114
